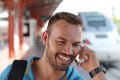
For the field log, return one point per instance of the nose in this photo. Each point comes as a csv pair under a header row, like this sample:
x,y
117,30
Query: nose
x,y
68,50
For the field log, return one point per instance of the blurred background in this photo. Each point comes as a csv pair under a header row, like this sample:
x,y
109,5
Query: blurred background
x,y
22,23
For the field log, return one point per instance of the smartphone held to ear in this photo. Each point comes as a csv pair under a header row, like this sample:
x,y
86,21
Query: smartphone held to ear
x,y
78,60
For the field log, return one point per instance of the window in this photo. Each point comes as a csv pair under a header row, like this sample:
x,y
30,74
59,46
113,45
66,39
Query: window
x,y
95,20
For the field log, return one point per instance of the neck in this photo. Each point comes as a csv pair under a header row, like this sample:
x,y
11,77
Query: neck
x,y
43,71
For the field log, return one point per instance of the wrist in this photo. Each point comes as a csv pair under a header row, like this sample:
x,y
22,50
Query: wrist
x,y
96,71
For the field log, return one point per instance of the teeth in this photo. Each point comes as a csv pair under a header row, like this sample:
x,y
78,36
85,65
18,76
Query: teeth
x,y
63,57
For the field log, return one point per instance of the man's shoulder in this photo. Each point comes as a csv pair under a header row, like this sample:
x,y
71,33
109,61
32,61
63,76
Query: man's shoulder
x,y
5,73
72,74
33,58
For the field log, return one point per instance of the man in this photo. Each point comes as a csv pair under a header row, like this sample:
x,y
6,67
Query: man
x,y
62,41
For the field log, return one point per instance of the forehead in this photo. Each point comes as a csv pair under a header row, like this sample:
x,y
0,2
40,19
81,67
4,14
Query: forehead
x,y
66,30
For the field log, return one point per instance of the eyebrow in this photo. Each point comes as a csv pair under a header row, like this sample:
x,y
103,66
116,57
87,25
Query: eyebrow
x,y
66,40
62,38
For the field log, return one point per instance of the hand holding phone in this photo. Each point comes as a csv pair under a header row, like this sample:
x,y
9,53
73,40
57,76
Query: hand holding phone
x,y
87,59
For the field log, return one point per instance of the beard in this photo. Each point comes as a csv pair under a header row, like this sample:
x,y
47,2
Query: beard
x,y
53,58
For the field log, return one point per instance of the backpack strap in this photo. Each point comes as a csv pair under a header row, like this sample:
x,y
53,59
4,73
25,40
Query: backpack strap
x,y
18,69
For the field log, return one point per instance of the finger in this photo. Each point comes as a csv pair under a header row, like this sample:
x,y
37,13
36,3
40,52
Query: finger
x,y
82,52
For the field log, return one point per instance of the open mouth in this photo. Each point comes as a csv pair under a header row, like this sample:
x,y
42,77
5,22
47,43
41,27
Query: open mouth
x,y
64,59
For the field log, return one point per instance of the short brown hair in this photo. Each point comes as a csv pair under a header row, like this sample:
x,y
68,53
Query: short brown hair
x,y
69,17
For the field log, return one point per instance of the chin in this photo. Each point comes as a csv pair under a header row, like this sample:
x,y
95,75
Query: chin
x,y
62,68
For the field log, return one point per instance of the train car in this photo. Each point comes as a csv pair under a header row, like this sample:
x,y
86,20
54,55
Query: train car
x,y
101,35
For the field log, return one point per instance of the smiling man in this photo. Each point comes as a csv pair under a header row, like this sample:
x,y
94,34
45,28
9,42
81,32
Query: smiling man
x,y
62,41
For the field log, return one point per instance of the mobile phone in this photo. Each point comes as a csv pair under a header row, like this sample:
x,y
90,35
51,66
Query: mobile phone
x,y
78,60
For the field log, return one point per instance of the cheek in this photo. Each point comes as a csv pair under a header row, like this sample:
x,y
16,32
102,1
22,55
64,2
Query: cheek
x,y
51,44
54,48
58,47
76,50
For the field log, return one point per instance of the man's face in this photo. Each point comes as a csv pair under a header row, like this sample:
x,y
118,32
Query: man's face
x,y
63,44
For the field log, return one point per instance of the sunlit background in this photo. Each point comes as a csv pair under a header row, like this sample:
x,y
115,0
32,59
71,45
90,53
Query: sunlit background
x,y
109,8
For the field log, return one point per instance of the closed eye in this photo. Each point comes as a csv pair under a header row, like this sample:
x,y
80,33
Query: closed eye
x,y
76,44
61,42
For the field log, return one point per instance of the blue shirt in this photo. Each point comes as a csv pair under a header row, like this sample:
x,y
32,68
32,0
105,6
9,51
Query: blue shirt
x,y
71,73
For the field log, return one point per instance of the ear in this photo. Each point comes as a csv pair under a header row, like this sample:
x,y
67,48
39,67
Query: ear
x,y
45,38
